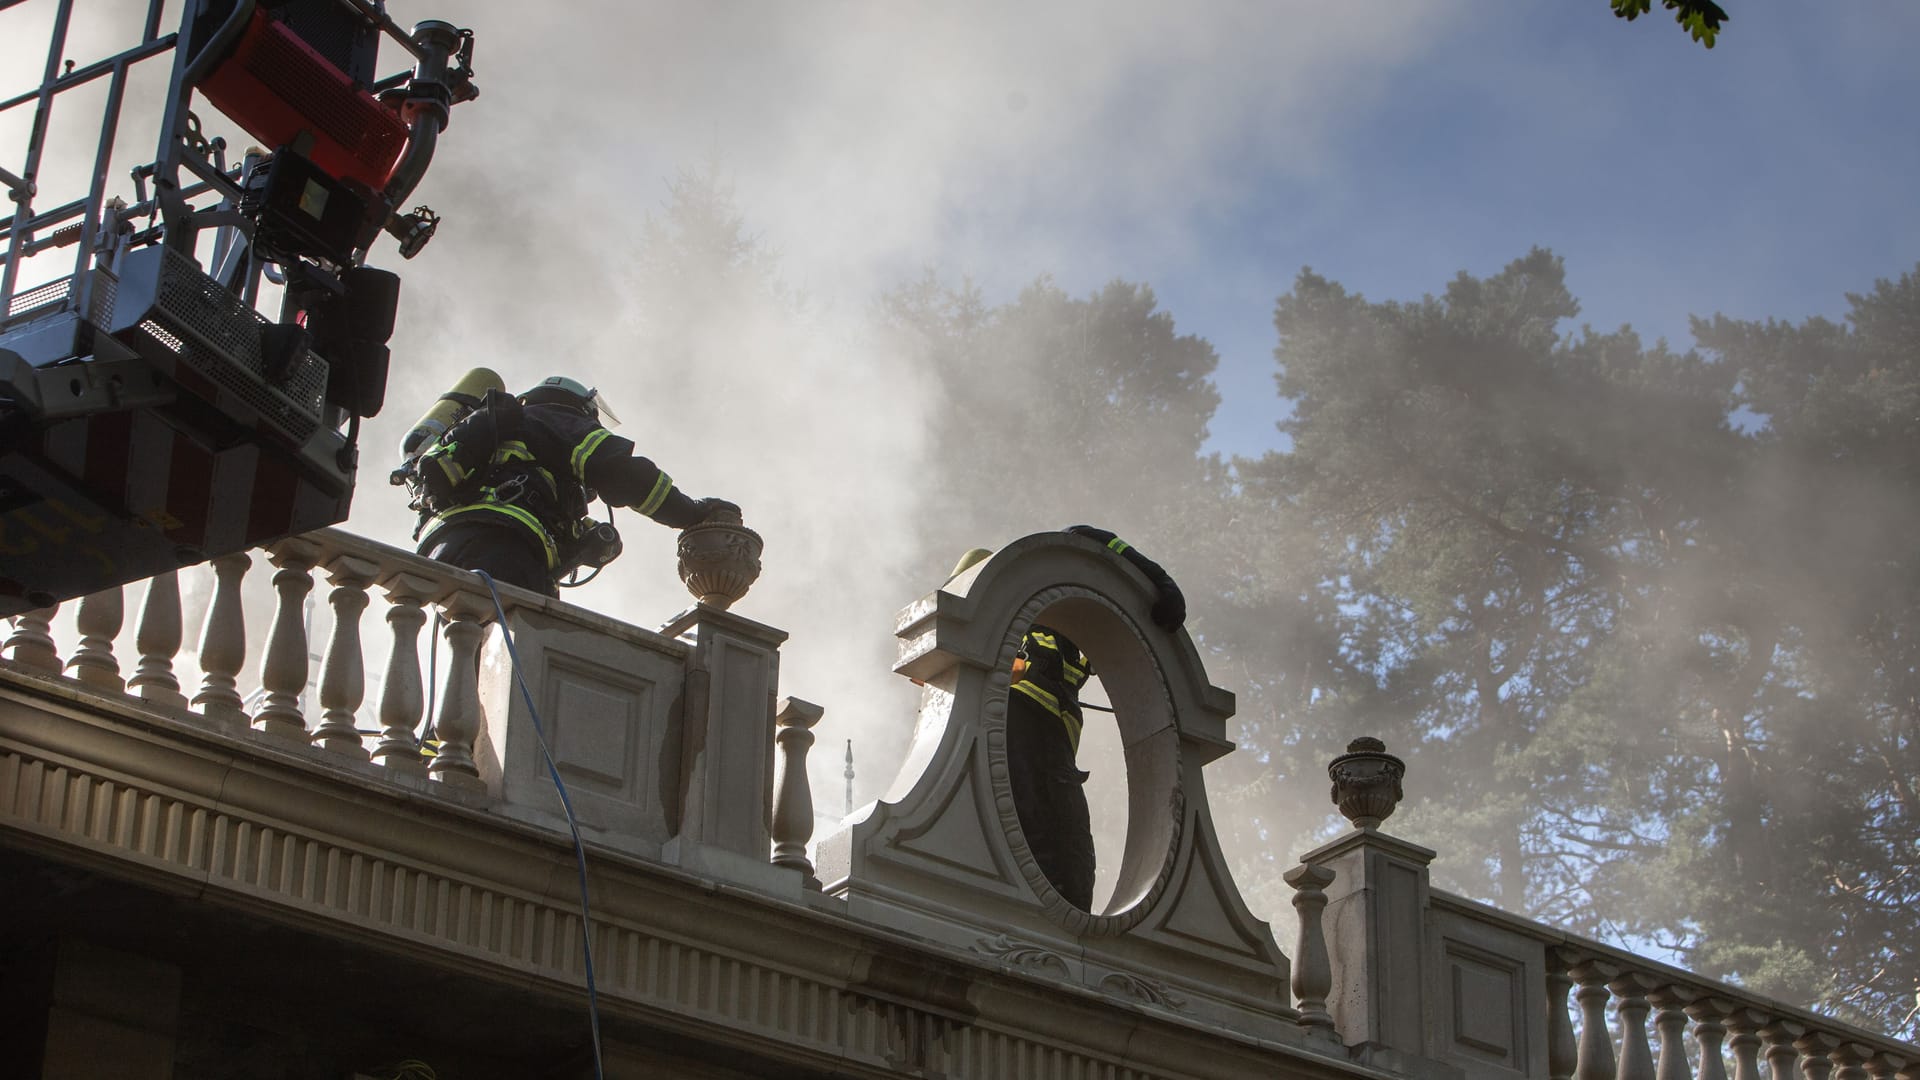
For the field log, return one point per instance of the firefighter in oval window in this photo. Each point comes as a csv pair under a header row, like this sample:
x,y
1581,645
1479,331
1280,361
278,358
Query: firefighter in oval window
x,y
1044,719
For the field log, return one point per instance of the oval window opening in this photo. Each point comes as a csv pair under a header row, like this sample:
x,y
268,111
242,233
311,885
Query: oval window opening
x,y
1103,757
1092,788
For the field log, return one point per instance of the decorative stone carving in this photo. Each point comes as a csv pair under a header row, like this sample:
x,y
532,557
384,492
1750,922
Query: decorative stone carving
x,y
1150,991
1366,782
719,559
1020,954
942,854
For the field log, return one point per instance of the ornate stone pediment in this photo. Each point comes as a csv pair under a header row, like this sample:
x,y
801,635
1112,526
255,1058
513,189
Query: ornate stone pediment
x,y
942,854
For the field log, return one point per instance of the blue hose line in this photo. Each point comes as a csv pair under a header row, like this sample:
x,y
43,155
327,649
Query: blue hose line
x,y
579,849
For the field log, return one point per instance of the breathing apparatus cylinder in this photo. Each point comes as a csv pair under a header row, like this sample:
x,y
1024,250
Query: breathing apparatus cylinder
x,y
459,400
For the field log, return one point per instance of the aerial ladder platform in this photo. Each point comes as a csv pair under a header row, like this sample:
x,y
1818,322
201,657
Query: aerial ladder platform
x,y
186,356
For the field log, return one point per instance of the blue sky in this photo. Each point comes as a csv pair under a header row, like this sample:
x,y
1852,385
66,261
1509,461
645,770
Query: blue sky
x,y
1764,178
1761,179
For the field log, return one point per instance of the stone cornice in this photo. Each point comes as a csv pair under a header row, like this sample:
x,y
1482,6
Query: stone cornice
x,y
347,849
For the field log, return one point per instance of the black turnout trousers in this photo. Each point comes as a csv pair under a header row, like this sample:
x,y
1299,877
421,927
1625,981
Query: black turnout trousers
x,y
1050,794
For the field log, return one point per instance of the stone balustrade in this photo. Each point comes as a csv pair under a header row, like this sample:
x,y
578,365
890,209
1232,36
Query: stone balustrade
x,y
654,733
1629,1018
1418,977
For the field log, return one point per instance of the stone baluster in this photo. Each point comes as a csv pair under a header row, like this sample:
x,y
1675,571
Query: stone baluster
x,y
458,721
157,637
283,670
1563,1053
1886,1066
1671,1023
31,643
343,674
1783,1061
1816,1050
1312,967
1631,1005
792,822
1850,1061
403,699
1596,1045
1745,1044
1710,1031
223,643
99,619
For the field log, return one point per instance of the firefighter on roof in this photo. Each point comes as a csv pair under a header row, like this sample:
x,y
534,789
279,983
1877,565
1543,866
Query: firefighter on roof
x,y
506,490
1044,719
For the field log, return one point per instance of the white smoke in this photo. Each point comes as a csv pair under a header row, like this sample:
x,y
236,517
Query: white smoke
x,y
865,141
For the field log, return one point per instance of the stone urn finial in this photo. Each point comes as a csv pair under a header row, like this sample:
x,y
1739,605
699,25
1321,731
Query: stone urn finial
x,y
719,559
1366,782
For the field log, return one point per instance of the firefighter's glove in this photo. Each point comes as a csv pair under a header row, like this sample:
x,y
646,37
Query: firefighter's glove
x,y
711,507
1169,608
437,479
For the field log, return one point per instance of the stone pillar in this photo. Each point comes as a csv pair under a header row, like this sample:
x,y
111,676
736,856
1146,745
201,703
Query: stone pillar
x,y
1745,1024
99,620
1817,1050
223,643
1597,1061
1312,968
31,643
726,744
1376,915
1563,1053
343,674
403,697
1671,1022
459,719
1782,1059
157,639
283,669
792,793
1710,1031
1631,1004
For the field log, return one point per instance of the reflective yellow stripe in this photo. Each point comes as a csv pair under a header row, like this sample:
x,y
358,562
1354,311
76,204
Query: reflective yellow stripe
x,y
1052,705
514,512
1118,546
456,475
658,496
513,450
585,450
1075,672
1047,701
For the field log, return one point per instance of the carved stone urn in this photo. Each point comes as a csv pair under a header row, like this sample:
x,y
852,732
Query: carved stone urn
x,y
1366,782
719,559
